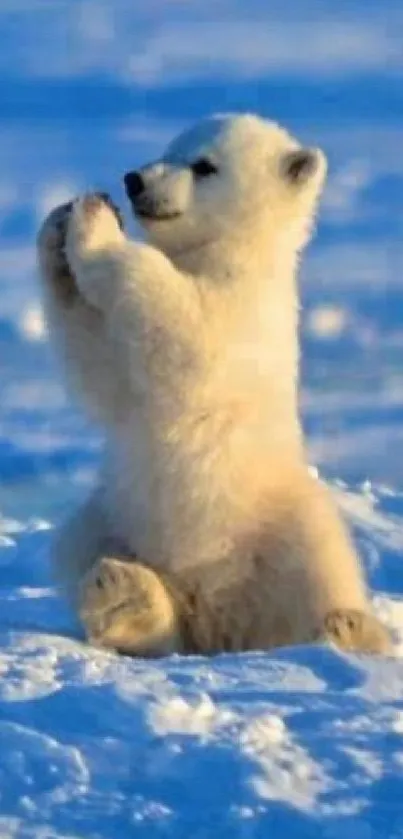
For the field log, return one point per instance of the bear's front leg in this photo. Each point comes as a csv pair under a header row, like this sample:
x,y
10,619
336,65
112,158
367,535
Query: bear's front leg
x,y
125,606
134,284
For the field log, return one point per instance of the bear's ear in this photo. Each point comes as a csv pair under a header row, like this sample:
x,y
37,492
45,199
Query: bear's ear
x,y
299,165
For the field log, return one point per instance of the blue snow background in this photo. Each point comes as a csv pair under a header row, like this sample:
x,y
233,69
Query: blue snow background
x,y
293,743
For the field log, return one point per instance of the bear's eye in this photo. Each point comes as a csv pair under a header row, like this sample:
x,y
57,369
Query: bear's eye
x,y
203,167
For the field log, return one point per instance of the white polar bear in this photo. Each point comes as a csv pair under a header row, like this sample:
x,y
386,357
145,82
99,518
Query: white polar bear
x,y
207,531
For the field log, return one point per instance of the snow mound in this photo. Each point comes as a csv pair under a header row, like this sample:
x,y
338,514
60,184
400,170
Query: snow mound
x,y
304,741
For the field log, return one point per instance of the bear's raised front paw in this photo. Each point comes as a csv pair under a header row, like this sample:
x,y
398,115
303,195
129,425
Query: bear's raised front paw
x,y
94,224
95,221
353,630
92,203
105,198
125,606
53,231
51,247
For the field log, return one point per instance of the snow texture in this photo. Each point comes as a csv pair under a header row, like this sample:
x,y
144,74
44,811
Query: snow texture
x,y
300,742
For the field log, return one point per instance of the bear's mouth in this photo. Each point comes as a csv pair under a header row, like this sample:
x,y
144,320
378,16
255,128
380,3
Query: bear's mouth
x,y
150,215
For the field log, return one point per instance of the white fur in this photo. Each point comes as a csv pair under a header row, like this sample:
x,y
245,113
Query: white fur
x,y
187,350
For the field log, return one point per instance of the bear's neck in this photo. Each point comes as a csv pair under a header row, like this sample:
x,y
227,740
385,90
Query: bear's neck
x,y
230,260
251,301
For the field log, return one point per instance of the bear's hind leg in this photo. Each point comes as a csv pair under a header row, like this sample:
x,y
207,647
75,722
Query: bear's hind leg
x,y
125,606
355,631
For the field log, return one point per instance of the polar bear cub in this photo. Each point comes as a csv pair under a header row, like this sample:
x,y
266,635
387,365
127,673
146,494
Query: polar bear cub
x,y
206,531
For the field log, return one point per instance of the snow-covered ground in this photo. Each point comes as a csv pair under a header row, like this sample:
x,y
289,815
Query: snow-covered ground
x,y
299,742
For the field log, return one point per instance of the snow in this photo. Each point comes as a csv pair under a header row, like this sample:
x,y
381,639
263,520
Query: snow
x,y
303,742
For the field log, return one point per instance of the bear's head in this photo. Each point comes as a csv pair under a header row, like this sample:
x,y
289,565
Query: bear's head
x,y
230,176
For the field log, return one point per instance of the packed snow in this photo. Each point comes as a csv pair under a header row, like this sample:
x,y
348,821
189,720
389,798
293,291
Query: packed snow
x,y
302,742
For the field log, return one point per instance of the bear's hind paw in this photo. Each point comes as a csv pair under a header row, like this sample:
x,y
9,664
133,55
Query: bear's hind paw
x,y
126,607
355,631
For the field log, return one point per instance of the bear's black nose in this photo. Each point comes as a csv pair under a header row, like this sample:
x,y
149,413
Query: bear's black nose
x,y
134,184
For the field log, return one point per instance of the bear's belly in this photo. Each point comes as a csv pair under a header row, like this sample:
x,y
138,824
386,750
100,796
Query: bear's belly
x,y
193,498
127,479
